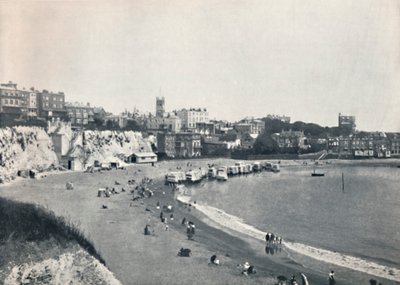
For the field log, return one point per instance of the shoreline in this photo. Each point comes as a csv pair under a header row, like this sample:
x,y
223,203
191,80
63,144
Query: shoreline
x,y
209,237
232,224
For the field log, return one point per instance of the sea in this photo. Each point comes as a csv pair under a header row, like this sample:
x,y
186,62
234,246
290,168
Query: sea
x,y
350,217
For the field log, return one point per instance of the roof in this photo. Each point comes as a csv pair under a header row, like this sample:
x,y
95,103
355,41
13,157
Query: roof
x,y
144,154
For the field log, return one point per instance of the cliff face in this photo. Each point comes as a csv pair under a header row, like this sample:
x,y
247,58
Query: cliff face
x,y
33,148
25,148
107,145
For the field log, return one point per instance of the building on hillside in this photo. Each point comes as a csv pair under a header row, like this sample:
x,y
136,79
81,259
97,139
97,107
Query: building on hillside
x,y
256,126
283,118
166,144
79,113
290,139
13,102
51,105
188,145
168,123
32,103
347,122
242,128
120,120
205,128
221,126
247,140
190,117
333,145
179,144
345,146
99,113
394,140
381,143
211,145
362,146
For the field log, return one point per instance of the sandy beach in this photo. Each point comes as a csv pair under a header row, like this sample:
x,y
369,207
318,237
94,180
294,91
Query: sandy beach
x,y
117,232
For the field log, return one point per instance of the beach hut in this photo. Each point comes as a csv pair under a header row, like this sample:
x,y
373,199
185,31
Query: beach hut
x,y
75,164
114,164
33,173
143,157
101,192
23,173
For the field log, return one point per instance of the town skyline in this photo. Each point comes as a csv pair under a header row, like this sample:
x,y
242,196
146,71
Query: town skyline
x,y
236,60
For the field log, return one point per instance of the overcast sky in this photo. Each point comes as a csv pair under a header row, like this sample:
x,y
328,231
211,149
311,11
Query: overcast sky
x,y
306,59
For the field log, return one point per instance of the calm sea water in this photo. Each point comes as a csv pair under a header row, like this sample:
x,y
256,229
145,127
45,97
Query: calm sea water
x,y
362,221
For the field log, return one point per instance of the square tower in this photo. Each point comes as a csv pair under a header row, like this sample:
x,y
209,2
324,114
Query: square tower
x,y
160,106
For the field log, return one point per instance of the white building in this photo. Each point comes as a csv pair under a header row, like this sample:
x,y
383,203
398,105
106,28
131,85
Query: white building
x,y
170,123
190,117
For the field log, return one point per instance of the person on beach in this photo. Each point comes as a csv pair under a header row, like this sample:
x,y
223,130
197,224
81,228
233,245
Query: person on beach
x,y
331,278
246,266
267,237
171,217
214,260
146,230
189,232
184,221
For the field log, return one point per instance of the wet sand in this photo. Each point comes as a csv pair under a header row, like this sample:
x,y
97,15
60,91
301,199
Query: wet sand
x,y
117,232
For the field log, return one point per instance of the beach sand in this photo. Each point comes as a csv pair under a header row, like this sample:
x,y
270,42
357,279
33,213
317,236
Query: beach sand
x,y
117,232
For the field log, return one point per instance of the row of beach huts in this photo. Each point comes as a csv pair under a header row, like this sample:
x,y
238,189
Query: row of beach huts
x,y
220,173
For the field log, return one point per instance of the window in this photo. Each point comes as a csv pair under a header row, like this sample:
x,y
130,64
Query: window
x,y
46,104
11,101
16,102
5,101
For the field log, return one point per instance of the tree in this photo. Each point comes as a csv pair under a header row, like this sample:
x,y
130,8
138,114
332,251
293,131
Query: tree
x,y
133,125
112,125
265,144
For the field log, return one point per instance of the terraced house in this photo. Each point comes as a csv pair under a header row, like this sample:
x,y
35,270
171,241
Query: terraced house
x,y
13,101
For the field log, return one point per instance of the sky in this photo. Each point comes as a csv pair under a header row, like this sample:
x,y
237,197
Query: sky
x,y
308,60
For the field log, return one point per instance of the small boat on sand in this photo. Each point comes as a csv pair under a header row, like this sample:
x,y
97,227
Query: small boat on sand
x,y
222,174
315,174
275,168
194,176
233,170
257,166
176,177
212,172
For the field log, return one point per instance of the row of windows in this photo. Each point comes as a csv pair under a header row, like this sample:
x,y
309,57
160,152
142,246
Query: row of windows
x,y
54,105
60,99
12,102
16,94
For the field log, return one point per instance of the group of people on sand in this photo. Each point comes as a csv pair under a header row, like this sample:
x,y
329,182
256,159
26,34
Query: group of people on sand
x,y
272,238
